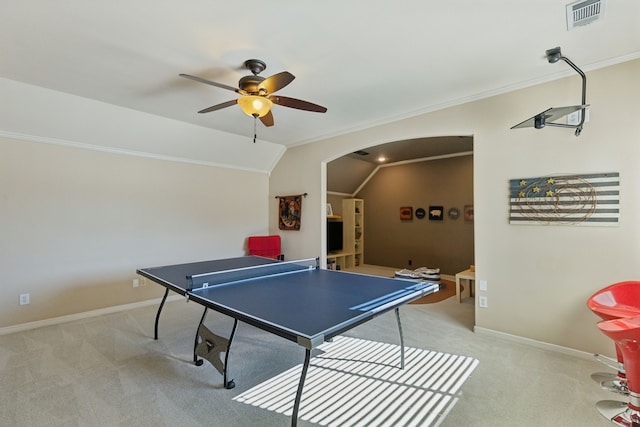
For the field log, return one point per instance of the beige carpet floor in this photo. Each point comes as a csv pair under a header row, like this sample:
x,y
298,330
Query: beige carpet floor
x,y
109,371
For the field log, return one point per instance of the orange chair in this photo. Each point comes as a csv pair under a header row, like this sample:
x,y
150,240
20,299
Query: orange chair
x,y
265,246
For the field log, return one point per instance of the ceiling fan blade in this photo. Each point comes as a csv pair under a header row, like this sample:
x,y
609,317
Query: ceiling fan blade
x,y
209,82
219,106
267,119
276,82
298,104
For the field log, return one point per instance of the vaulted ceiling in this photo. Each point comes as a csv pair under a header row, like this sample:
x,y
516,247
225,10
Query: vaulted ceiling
x,y
368,62
347,174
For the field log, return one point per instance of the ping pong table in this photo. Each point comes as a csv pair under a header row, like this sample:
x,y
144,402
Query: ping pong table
x,y
295,300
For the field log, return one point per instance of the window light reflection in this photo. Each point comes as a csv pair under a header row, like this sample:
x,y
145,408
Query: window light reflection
x,y
359,382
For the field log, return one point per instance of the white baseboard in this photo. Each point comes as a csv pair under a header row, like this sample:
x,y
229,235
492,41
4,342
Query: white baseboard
x,y
538,344
85,315
156,301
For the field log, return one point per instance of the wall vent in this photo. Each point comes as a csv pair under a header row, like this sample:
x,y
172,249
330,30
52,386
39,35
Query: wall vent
x,y
584,12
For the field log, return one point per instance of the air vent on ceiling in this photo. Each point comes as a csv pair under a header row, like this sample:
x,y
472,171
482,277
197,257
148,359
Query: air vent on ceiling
x,y
584,12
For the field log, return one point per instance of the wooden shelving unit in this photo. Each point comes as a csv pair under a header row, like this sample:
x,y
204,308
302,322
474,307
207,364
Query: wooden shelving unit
x,y
340,260
352,253
353,222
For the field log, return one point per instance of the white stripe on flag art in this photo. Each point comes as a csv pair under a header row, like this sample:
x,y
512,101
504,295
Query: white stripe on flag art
x,y
592,199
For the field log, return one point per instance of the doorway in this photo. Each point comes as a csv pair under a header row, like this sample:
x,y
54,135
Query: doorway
x,y
432,180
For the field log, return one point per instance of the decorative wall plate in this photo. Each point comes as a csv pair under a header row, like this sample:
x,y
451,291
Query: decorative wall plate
x,y
406,213
454,213
436,213
468,212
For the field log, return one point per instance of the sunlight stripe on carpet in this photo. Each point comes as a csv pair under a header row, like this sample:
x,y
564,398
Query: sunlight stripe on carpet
x,y
357,382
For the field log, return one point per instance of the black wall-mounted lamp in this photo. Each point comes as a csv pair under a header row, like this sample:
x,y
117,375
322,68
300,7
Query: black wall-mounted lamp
x,y
547,117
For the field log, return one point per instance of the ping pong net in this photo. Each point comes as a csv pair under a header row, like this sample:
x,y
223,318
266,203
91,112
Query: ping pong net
x,y
225,277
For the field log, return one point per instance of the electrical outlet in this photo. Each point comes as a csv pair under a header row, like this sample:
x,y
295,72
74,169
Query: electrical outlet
x,y
573,119
483,301
136,283
24,299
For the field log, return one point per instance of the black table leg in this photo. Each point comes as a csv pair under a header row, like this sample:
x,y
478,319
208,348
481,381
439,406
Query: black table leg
x,y
164,298
197,361
229,384
401,338
209,346
303,375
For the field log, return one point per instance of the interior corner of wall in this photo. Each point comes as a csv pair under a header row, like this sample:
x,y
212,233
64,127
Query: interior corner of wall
x,y
279,154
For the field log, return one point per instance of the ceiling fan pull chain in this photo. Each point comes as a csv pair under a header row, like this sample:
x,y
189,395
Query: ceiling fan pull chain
x,y
255,132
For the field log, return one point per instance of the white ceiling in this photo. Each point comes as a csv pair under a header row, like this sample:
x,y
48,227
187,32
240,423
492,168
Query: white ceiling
x,y
368,62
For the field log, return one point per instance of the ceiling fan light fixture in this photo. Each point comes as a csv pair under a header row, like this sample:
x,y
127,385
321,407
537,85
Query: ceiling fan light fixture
x,y
255,106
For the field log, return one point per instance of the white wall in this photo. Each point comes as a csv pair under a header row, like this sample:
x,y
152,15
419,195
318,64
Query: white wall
x,y
539,277
89,192
77,223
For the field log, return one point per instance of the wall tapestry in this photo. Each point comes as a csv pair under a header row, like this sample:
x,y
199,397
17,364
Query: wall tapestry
x,y
572,199
290,212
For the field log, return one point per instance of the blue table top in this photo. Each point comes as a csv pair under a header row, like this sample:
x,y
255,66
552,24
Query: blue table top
x,y
307,306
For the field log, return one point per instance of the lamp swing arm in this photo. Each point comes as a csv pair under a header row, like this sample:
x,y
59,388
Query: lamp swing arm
x,y
579,126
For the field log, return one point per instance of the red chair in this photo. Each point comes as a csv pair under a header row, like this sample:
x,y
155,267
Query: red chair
x,y
625,332
265,246
616,301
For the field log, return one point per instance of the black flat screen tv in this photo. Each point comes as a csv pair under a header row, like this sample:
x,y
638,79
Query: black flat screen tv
x,y
334,236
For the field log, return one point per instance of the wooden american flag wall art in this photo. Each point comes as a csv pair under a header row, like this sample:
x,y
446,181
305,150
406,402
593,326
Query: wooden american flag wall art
x,y
592,199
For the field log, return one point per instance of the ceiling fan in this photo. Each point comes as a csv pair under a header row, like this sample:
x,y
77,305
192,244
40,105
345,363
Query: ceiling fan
x,y
257,93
